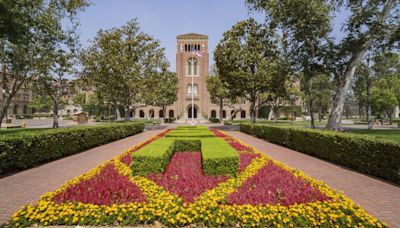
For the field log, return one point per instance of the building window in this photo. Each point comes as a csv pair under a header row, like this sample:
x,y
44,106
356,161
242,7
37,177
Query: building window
x,y
141,114
224,114
213,114
243,114
192,66
190,90
171,113
161,114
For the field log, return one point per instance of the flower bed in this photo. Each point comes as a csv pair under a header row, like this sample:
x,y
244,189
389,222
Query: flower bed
x,y
295,200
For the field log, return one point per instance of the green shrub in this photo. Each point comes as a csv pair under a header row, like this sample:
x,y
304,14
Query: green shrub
x,y
27,149
219,157
213,120
187,145
368,155
152,158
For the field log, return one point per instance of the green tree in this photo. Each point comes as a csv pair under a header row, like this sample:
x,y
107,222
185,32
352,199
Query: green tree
x,y
308,22
317,95
218,92
118,61
162,89
246,59
28,29
384,98
53,82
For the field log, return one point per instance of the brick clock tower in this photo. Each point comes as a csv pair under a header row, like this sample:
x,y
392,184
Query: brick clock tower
x,y
188,65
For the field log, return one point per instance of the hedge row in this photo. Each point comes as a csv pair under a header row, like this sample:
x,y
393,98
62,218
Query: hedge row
x,y
218,157
377,157
24,150
152,158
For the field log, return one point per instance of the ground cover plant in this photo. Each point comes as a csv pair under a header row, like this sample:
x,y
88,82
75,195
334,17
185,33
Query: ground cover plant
x,y
264,193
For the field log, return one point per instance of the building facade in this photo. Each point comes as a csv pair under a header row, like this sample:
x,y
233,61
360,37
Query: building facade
x,y
192,63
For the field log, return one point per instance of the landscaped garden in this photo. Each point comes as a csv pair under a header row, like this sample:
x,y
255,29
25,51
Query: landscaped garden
x,y
192,175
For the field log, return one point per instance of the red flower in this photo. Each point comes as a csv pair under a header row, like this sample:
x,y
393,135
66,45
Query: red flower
x,y
184,176
106,188
273,185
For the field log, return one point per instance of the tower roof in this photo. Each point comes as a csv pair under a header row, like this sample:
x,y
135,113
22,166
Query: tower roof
x,y
192,36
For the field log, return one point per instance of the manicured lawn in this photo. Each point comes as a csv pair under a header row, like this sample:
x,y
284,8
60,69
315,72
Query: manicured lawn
x,y
381,134
262,193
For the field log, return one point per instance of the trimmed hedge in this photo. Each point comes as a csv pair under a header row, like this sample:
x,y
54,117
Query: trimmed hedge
x,y
23,150
187,145
377,157
219,157
152,158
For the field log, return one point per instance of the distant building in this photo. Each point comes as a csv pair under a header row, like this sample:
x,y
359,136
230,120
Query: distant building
x,y
19,104
188,66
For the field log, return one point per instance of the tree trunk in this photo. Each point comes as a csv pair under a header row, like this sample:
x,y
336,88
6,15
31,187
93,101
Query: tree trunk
x,y
271,113
2,114
312,120
55,114
109,112
320,114
127,111
368,108
221,109
390,113
253,110
335,116
164,110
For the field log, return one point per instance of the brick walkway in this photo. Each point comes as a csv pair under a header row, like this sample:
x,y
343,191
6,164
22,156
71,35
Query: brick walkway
x,y
27,186
379,198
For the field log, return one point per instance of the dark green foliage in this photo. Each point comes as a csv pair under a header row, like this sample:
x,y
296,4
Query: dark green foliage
x,y
187,145
376,157
23,150
213,120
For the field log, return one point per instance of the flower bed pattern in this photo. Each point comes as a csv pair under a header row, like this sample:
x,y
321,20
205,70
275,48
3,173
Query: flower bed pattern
x,y
306,203
184,176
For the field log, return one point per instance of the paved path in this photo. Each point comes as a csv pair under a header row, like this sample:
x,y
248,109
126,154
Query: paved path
x,y
379,198
27,186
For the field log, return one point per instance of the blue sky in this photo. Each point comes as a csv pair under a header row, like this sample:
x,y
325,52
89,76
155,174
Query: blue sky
x,y
166,19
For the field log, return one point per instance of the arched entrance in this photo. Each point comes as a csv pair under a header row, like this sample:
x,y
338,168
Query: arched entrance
x,y
194,112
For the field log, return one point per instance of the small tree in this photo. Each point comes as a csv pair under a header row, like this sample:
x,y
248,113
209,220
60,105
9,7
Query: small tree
x,y
218,92
162,89
53,82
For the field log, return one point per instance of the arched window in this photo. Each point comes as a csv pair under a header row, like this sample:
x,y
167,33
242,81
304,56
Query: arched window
x,y
213,114
243,114
195,68
141,114
151,113
190,90
171,113
192,66
223,114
